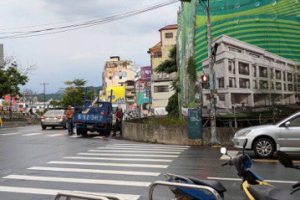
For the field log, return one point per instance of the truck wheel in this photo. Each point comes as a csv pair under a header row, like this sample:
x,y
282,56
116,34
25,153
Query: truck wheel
x,y
78,131
264,148
84,133
44,127
108,130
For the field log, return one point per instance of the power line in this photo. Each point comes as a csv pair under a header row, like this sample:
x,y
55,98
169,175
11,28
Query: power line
x,y
86,24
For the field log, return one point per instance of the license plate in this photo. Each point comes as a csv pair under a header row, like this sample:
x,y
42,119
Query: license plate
x,y
90,126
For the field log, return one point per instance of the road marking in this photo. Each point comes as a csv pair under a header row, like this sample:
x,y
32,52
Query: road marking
x,y
110,164
137,151
131,155
55,135
150,146
119,159
99,137
77,180
5,134
273,161
237,179
95,171
39,191
31,134
142,149
76,136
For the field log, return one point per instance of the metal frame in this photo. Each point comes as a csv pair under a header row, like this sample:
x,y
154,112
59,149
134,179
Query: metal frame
x,y
197,187
85,196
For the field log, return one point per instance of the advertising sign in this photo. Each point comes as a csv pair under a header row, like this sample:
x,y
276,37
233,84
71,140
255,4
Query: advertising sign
x,y
140,85
142,98
118,94
146,72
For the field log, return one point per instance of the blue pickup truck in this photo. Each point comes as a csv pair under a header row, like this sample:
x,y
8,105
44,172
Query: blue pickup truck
x,y
94,117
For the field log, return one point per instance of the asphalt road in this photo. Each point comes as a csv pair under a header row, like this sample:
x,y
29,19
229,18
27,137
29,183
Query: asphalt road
x,y
36,164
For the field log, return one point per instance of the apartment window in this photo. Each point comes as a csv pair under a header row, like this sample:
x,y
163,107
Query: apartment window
x,y
291,65
283,75
263,85
161,88
290,87
232,83
159,76
290,77
110,78
272,86
278,75
120,77
254,84
296,88
169,35
244,83
263,72
157,54
234,49
278,86
221,82
254,70
284,86
244,68
221,97
280,62
255,55
231,66
269,59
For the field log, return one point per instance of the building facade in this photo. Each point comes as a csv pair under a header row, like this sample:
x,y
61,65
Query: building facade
x,y
272,25
161,87
251,76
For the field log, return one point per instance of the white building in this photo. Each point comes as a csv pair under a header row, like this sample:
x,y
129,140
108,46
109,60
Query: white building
x,y
249,75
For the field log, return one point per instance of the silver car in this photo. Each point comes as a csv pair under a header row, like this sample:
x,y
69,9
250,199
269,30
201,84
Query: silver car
x,y
265,140
54,118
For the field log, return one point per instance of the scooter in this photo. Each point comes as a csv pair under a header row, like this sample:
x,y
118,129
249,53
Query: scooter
x,y
253,186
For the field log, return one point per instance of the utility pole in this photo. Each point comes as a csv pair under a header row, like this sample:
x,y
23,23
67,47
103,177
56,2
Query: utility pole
x,y
206,6
44,84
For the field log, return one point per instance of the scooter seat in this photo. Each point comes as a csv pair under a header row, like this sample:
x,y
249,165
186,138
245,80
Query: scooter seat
x,y
263,192
213,184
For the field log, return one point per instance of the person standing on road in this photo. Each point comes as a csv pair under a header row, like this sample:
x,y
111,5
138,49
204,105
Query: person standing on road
x,y
119,120
70,113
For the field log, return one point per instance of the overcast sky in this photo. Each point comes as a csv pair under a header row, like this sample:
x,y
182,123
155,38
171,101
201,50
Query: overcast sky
x,y
81,53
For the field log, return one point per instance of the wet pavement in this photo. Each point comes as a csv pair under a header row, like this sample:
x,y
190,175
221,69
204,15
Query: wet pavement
x,y
36,164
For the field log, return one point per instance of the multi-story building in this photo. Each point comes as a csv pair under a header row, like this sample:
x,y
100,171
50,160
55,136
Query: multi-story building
x,y
251,76
161,88
115,76
1,56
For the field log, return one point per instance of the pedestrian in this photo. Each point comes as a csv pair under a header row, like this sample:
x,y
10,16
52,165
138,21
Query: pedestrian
x,y
119,119
70,113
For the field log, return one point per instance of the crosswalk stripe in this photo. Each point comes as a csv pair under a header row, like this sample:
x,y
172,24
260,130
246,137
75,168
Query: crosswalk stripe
x,y
142,149
119,159
5,134
110,164
137,151
77,180
50,192
147,145
129,155
54,135
31,134
95,171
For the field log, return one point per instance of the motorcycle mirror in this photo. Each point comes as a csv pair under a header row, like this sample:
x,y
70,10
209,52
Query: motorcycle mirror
x,y
224,150
284,159
244,145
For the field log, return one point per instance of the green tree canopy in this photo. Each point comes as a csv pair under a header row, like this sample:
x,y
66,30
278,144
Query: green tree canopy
x,y
168,66
11,80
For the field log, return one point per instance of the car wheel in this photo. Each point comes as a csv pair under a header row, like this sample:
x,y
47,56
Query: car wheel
x,y
44,127
84,133
107,133
264,148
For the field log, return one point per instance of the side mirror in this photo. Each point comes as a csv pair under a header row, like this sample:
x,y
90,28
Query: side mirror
x,y
223,151
287,124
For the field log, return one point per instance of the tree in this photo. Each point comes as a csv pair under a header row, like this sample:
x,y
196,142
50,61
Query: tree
x,y
74,93
55,103
170,66
11,79
28,95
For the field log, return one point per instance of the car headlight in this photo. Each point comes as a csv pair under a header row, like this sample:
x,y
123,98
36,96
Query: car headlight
x,y
243,132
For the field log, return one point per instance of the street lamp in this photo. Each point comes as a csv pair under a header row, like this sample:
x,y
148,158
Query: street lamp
x,y
44,84
206,5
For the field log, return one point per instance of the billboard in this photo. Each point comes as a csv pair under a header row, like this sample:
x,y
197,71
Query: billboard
x,y
118,94
146,72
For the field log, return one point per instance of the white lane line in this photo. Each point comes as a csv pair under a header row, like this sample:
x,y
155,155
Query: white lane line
x,y
78,180
237,179
94,171
39,191
99,137
142,149
55,135
147,145
76,136
109,164
31,134
129,155
119,159
6,134
137,151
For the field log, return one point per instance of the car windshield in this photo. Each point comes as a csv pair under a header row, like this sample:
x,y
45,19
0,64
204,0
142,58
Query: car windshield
x,y
54,112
